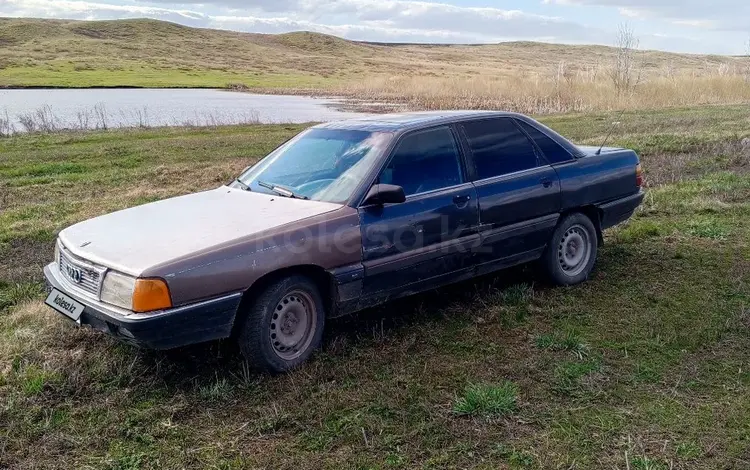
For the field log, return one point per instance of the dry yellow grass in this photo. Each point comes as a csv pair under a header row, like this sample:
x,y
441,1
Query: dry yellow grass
x,y
528,77
539,94
121,46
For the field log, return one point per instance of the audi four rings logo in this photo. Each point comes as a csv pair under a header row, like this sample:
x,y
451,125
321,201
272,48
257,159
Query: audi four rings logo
x,y
75,274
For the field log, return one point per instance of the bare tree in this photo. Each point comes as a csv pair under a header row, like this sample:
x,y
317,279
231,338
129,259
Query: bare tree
x,y
669,70
142,116
27,122
46,121
625,73
83,120
746,68
559,74
6,127
101,117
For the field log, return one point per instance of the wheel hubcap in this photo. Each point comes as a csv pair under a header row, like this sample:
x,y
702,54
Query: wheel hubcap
x,y
574,251
293,324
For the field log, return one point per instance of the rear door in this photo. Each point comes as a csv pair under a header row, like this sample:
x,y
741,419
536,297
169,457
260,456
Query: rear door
x,y
427,240
518,192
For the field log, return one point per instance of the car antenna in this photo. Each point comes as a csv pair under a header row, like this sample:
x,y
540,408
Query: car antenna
x,y
611,130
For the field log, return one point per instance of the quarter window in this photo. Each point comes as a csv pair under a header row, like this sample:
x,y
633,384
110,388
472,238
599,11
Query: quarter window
x,y
499,147
424,161
551,149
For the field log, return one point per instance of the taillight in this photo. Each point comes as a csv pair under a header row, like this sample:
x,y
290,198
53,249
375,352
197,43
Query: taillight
x,y
639,175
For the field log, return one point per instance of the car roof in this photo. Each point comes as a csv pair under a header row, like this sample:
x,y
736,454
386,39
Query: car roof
x,y
406,121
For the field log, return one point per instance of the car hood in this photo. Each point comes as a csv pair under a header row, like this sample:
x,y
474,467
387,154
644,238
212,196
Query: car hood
x,y
135,239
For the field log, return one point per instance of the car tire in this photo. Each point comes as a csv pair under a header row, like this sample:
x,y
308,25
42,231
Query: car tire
x,y
283,326
571,253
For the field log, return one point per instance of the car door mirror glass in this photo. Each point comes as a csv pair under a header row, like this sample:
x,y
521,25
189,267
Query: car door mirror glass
x,y
381,194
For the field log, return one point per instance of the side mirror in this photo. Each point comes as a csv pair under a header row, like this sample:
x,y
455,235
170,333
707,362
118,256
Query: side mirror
x,y
381,194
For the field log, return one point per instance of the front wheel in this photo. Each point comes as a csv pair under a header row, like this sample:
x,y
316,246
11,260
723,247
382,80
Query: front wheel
x,y
284,325
571,253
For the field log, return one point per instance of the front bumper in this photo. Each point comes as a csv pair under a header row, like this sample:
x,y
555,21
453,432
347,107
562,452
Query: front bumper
x,y
166,329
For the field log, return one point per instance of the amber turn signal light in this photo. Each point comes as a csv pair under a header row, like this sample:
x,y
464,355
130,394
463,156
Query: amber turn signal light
x,y
150,295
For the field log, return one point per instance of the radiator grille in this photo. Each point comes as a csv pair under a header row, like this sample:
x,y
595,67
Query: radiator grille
x,y
85,277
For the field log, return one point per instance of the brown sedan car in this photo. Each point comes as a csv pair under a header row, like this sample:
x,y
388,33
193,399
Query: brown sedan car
x,y
342,217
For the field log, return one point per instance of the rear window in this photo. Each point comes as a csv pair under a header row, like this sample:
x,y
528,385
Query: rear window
x,y
553,152
499,147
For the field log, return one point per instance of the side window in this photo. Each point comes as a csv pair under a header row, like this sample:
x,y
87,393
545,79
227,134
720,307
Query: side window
x,y
424,161
499,147
551,149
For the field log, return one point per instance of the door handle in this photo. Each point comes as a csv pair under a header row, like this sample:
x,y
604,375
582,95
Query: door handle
x,y
546,182
461,201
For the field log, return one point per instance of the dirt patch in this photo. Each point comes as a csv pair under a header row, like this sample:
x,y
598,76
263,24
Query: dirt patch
x,y
24,259
91,33
668,168
103,33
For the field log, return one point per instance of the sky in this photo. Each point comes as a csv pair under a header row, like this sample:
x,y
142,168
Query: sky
x,y
697,26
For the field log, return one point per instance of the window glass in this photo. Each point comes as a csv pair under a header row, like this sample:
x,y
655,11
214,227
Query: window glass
x,y
551,149
321,164
424,161
499,147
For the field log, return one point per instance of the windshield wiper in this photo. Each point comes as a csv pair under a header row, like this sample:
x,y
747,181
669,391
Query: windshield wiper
x,y
281,190
244,186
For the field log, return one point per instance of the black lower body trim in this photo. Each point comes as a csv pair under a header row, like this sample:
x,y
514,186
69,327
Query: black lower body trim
x,y
619,211
181,326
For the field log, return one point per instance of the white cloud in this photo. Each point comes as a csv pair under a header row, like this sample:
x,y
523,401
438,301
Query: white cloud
x,y
729,15
708,24
412,20
377,20
92,10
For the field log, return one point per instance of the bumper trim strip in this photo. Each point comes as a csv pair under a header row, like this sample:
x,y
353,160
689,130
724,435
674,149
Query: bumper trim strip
x,y
199,322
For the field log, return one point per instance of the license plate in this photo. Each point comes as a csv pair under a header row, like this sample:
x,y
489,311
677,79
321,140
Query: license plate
x,y
64,304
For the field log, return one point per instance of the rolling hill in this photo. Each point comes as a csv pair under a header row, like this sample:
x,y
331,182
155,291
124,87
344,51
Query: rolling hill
x,y
149,53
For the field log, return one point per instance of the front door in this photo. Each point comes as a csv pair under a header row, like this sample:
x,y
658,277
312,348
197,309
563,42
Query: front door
x,y
427,240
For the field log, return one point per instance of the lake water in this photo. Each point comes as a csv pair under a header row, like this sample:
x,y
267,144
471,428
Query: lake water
x,y
96,108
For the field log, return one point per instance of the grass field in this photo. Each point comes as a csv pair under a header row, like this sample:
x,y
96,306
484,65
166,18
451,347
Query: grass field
x,y
645,366
522,76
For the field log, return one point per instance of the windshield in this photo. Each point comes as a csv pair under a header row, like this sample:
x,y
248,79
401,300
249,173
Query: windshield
x,y
319,164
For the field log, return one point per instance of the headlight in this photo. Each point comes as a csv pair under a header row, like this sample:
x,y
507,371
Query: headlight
x,y
118,289
138,295
57,253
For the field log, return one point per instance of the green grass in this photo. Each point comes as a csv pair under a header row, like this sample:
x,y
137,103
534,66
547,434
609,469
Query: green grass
x,y
569,341
487,400
148,53
16,293
643,366
143,76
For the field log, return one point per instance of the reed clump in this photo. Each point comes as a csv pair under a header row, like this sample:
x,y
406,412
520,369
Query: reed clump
x,y
559,92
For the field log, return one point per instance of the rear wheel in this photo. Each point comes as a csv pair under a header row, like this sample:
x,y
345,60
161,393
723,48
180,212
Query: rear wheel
x,y
284,325
571,253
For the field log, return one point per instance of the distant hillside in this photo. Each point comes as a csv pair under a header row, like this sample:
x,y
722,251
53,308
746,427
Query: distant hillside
x,y
153,53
